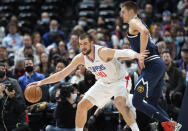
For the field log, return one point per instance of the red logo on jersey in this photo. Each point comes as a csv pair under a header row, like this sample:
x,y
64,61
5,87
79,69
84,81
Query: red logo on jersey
x,y
101,74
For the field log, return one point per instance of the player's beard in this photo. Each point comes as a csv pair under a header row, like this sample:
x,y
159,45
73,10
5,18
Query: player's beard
x,y
88,52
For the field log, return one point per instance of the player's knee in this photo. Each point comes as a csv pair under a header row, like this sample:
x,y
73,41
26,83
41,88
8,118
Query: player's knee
x,y
83,105
119,102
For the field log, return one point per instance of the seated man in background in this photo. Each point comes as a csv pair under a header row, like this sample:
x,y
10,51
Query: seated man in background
x,y
174,82
30,75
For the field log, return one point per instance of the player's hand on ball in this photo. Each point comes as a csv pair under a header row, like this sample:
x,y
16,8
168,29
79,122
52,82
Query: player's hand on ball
x,y
34,84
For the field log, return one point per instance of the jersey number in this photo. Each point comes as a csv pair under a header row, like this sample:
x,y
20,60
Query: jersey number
x,y
101,74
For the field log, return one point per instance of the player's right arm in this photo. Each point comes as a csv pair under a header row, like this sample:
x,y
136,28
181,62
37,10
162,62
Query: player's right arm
x,y
79,59
124,54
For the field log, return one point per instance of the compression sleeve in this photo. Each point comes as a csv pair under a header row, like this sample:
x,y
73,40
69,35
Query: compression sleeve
x,y
125,53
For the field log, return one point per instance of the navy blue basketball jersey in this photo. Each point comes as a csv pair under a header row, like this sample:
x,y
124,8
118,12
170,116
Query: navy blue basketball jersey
x,y
135,45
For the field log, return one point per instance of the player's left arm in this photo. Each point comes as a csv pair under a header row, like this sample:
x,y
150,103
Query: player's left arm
x,y
138,26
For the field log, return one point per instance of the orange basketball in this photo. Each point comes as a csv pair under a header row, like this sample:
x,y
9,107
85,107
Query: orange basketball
x,y
33,94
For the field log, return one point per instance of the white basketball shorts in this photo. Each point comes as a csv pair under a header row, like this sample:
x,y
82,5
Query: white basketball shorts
x,y
101,93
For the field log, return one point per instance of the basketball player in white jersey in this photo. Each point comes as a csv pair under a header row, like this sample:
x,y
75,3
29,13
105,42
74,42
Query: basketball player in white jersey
x,y
113,79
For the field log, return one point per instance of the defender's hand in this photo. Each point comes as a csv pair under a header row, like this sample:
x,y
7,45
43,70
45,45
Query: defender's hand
x,y
141,58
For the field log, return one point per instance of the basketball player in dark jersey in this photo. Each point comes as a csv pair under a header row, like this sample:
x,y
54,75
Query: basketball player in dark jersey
x,y
149,84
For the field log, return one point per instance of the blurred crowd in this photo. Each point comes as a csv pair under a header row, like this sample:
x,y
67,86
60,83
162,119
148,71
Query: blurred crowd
x,y
28,56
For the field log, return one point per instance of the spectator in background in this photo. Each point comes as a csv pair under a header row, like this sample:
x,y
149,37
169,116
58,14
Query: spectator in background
x,y
52,52
54,30
93,33
180,40
150,13
182,6
174,82
72,53
39,50
36,38
175,21
11,101
62,47
124,34
77,30
43,24
101,22
14,18
79,75
73,43
156,34
27,43
13,41
30,75
65,56
83,23
107,39
175,25
59,66
166,19
29,52
3,53
144,16
44,66
8,71
170,45
18,69
183,62
117,34
161,47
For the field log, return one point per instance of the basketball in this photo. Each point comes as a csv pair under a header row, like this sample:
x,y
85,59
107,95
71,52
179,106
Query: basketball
x,y
33,94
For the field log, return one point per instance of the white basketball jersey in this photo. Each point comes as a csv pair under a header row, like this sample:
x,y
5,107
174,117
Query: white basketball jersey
x,y
107,72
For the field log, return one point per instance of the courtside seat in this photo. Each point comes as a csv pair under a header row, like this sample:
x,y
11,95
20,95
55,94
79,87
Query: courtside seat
x,y
49,8
52,2
107,13
87,14
106,6
87,6
26,8
5,9
91,21
109,21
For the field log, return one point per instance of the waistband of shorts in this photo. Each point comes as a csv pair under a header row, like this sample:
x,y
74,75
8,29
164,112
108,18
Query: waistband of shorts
x,y
124,77
153,57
